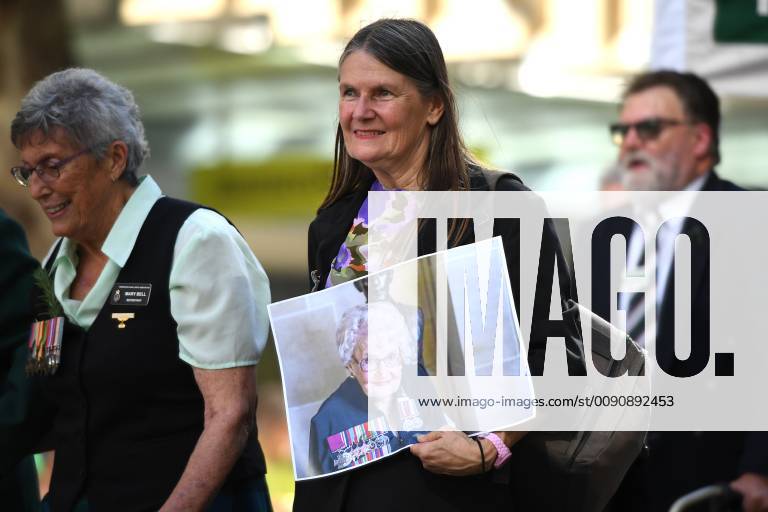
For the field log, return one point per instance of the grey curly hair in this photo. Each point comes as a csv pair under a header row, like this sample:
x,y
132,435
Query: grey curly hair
x,y
92,110
353,328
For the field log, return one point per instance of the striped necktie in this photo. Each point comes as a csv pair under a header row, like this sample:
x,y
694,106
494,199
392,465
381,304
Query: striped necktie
x,y
635,324
635,306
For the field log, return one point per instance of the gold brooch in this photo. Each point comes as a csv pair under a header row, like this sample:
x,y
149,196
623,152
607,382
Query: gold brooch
x,y
122,318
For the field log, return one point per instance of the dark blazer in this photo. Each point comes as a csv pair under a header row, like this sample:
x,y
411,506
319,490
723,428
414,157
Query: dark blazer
x,y
665,315
676,463
18,478
329,229
400,483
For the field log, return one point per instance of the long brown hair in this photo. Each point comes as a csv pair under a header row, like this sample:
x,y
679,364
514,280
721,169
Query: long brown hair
x,y
410,48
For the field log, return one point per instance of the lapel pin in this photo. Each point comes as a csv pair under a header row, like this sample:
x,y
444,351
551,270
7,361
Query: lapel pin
x,y
122,318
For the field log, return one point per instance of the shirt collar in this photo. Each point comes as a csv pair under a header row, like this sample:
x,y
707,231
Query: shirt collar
x,y
679,204
122,237
66,253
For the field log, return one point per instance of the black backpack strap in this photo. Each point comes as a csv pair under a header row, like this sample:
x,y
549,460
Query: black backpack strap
x,y
492,177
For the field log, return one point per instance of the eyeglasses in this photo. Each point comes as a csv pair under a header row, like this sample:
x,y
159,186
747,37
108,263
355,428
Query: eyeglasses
x,y
48,171
647,129
391,361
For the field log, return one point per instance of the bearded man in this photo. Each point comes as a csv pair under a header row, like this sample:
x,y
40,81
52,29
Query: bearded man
x,y
668,137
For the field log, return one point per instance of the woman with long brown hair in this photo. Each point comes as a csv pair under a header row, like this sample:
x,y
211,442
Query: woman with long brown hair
x,y
398,130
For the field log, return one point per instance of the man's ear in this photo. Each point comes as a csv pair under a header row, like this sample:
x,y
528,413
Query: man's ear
x,y
436,108
704,139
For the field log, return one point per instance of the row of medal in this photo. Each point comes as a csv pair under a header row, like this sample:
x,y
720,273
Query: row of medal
x,y
45,346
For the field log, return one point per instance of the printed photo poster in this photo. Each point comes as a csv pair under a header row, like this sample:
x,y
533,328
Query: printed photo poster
x,y
362,373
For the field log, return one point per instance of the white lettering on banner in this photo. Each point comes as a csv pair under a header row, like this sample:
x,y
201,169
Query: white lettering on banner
x,y
484,329
700,342
762,7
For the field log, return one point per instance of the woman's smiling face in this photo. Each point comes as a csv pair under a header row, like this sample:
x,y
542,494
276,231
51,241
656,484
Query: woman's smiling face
x,y
386,122
74,202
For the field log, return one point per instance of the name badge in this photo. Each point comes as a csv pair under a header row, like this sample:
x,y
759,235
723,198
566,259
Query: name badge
x,y
130,294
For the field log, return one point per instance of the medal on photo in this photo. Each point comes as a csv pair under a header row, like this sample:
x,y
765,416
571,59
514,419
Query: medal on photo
x,y
409,414
360,444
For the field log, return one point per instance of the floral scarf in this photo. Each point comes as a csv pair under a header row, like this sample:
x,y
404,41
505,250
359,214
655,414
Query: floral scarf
x,y
352,260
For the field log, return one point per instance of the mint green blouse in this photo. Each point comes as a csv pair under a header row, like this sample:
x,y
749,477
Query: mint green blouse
x,y
219,291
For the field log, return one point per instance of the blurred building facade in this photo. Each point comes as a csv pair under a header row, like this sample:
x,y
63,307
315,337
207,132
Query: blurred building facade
x,y
252,84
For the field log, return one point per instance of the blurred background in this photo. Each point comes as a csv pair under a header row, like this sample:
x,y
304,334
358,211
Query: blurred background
x,y
239,100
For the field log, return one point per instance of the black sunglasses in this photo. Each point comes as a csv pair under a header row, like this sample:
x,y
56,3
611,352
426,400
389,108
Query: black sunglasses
x,y
647,129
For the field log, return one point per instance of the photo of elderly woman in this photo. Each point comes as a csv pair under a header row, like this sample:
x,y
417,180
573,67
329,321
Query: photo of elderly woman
x,y
342,435
358,359
344,382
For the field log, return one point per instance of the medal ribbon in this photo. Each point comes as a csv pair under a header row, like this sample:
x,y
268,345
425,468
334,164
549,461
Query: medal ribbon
x,y
360,444
45,346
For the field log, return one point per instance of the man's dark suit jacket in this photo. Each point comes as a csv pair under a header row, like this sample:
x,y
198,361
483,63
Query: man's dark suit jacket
x,y
676,463
18,479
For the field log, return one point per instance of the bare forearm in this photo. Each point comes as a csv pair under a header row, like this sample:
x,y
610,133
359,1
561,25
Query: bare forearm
x,y
216,451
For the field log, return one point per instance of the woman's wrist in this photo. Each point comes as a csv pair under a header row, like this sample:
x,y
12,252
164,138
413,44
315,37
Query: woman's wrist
x,y
490,453
502,450
495,447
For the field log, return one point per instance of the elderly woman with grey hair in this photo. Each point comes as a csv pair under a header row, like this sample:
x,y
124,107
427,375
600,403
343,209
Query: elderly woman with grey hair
x,y
375,373
150,392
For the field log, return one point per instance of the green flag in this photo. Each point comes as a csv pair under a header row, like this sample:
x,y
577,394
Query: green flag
x,y
741,21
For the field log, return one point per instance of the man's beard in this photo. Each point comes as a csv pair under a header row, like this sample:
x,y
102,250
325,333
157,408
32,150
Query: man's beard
x,y
654,177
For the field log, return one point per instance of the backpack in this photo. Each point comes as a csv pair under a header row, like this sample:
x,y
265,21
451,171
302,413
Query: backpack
x,y
576,470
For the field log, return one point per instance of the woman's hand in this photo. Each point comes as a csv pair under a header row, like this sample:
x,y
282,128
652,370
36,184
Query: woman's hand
x,y
455,453
230,415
